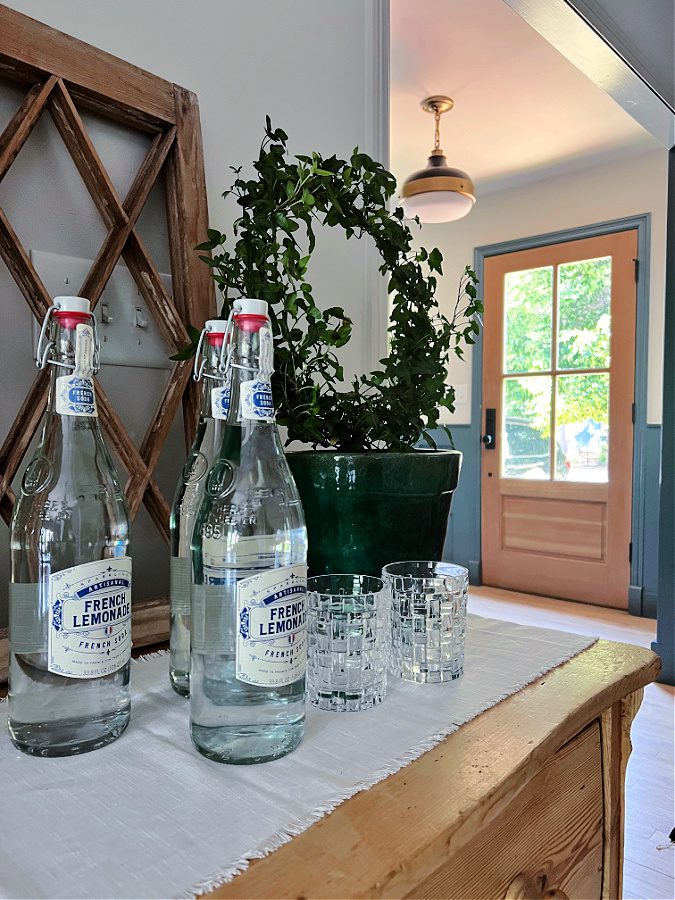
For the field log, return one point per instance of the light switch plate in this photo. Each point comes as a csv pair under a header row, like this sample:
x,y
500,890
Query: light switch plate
x,y
124,340
461,394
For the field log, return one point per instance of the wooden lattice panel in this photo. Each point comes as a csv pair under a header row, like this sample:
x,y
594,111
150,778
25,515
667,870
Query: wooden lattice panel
x,y
63,75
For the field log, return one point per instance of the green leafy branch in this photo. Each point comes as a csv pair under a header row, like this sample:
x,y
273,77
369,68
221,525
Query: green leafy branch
x,y
268,256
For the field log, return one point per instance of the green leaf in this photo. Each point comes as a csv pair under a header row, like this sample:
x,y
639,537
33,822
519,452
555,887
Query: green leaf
x,y
271,243
185,352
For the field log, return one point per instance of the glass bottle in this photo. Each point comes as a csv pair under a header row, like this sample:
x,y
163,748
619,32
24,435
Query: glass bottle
x,y
70,591
249,554
205,448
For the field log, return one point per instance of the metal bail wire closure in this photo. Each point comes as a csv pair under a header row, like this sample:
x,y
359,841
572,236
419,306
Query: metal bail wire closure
x,y
44,346
43,351
200,360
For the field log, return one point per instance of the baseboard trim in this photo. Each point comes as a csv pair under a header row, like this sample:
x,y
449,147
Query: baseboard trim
x,y
475,573
649,604
635,595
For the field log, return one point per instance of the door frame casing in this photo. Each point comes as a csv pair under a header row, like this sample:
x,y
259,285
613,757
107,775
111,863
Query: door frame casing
x,y
642,224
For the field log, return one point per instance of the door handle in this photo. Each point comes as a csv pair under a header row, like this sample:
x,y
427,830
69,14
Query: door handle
x,y
489,439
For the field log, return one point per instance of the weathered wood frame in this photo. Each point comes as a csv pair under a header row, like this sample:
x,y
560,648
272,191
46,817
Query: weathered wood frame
x,y
62,75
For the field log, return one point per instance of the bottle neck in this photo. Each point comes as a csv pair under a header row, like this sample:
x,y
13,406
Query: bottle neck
x,y
211,378
251,361
62,354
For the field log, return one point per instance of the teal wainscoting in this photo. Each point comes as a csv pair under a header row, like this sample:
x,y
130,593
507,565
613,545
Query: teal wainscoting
x,y
650,513
462,543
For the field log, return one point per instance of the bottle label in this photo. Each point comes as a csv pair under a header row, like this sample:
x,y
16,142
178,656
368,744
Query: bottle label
x,y
220,402
221,556
256,400
180,572
266,352
90,618
75,396
271,623
84,350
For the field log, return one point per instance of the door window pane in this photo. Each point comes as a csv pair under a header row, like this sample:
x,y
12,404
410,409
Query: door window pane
x,y
527,428
584,296
582,427
528,305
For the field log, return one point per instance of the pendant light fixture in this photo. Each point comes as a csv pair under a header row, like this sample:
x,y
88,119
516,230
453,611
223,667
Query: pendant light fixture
x,y
438,193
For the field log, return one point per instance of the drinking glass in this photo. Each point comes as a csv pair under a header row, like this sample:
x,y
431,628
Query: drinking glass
x,y
348,633
428,619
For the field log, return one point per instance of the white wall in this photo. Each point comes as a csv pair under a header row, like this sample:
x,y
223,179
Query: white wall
x,y
317,68
308,64
613,191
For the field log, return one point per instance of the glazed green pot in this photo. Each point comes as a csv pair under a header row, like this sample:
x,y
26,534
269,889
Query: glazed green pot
x,y
364,510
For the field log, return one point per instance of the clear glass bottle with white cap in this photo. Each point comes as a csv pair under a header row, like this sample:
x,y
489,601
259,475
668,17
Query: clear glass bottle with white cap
x,y
70,591
209,371
249,555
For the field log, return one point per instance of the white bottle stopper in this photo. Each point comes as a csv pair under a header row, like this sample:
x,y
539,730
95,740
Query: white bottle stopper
x,y
72,304
250,306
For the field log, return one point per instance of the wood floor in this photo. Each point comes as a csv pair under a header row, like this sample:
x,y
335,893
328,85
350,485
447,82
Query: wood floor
x,y
649,866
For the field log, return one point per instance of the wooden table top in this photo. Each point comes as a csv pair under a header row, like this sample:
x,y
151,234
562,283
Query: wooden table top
x,y
384,841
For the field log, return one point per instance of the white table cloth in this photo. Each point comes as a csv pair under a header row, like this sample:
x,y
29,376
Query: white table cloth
x,y
148,816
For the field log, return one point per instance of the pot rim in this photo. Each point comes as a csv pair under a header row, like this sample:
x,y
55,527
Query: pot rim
x,y
376,454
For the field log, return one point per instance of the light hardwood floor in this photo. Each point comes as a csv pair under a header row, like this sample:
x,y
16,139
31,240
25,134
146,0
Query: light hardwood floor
x,y
649,857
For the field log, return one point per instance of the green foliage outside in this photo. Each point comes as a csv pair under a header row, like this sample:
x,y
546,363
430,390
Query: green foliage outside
x,y
267,255
583,340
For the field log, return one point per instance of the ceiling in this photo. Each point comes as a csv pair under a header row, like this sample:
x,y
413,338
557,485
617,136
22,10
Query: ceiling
x,y
522,111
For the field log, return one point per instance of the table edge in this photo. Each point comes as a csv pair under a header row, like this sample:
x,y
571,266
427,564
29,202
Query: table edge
x,y
541,717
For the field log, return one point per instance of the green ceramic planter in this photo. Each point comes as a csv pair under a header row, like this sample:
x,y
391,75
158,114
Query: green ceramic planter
x,y
364,510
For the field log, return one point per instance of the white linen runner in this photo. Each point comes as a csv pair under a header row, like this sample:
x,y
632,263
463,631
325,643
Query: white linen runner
x,y
148,816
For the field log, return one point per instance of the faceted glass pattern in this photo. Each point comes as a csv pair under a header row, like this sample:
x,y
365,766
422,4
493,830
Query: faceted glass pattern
x,y
428,619
347,630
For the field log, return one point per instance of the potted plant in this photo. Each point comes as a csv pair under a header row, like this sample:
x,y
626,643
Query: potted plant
x,y
371,494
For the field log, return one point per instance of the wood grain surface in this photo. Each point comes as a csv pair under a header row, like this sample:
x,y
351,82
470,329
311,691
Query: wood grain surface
x,y
389,840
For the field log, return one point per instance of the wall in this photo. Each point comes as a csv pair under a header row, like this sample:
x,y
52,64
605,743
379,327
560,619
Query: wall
x,y
308,65
313,67
612,191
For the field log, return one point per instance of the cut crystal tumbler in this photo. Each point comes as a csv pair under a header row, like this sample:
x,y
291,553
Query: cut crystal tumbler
x,y
348,635
428,619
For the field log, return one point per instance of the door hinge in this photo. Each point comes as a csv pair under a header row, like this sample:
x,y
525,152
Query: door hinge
x,y
633,413
630,552
637,270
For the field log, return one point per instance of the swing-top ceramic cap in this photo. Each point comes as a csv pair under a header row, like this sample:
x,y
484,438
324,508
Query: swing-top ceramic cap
x,y
72,304
216,326
249,306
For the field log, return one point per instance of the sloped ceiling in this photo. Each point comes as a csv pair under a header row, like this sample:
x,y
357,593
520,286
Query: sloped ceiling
x,y
522,111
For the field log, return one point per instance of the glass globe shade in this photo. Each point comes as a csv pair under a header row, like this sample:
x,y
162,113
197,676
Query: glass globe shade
x,y
433,207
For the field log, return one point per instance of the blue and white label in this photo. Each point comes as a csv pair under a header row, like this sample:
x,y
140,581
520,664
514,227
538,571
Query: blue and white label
x,y
220,402
75,396
256,400
90,618
271,623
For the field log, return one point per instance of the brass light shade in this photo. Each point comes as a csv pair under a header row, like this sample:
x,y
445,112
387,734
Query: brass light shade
x,y
438,193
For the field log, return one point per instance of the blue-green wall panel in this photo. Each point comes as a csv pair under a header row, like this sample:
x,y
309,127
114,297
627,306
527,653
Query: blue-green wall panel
x,y
650,547
665,633
462,543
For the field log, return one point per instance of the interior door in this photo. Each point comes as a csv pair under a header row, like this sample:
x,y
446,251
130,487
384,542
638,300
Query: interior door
x,y
558,378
